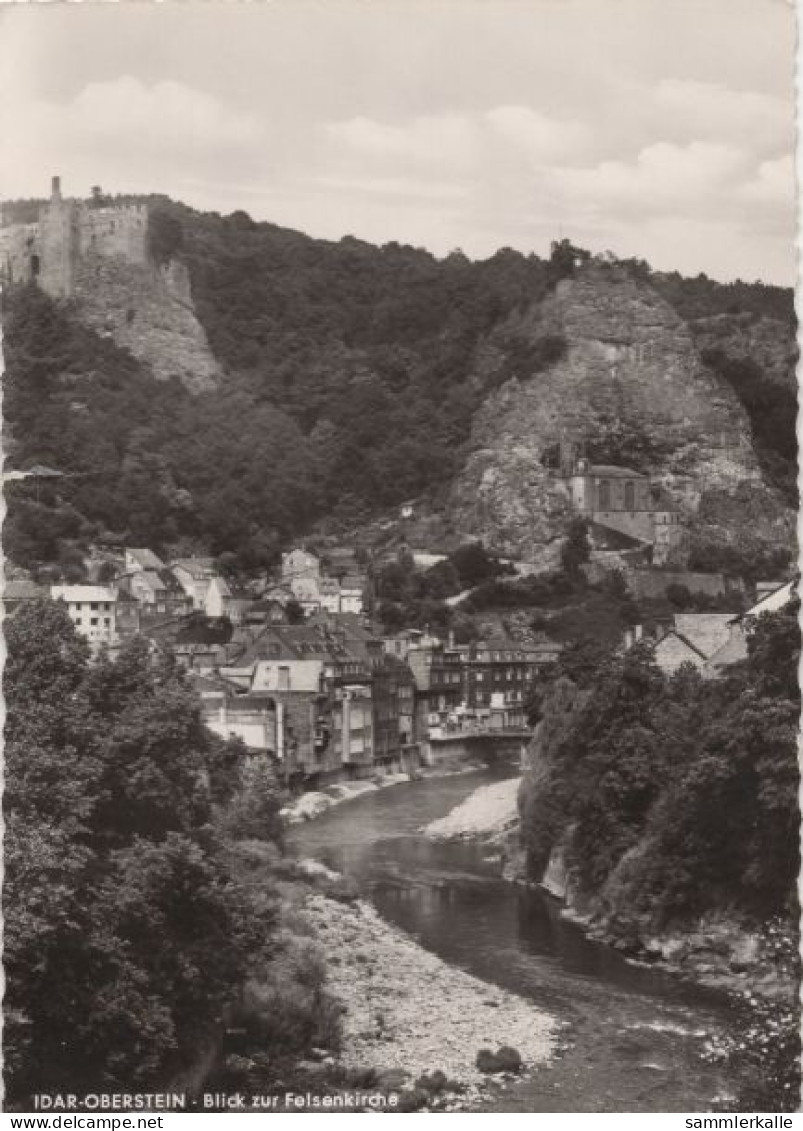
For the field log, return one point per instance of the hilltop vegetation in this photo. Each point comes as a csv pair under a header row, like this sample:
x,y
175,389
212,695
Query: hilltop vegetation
x,y
353,374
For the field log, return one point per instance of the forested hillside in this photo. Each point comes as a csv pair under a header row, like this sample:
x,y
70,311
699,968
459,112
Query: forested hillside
x,y
351,378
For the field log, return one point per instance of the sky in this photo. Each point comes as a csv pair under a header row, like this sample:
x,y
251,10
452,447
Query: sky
x,y
662,129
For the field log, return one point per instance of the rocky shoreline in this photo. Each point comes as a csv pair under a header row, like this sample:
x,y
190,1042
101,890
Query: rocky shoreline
x,y
489,813
716,954
410,1018
310,805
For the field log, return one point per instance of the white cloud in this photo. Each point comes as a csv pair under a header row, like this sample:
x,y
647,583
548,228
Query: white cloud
x,y
773,183
167,126
405,188
664,179
442,139
541,139
712,110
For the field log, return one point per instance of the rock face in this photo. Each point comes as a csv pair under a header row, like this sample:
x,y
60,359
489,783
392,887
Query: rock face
x,y
148,310
631,366
768,341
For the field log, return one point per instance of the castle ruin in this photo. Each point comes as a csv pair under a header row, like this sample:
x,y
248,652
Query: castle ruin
x,y
49,251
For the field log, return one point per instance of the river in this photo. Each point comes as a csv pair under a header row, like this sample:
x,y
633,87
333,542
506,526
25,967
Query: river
x,y
633,1035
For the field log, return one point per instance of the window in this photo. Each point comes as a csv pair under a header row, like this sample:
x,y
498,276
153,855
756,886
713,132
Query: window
x,y
630,496
107,622
604,495
94,606
93,620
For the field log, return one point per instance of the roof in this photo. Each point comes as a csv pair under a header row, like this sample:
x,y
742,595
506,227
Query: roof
x,y
732,652
774,601
198,567
222,586
609,471
707,632
300,642
353,581
79,593
674,634
147,559
23,589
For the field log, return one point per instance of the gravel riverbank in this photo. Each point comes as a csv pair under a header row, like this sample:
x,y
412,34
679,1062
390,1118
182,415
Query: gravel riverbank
x,y
408,1011
310,805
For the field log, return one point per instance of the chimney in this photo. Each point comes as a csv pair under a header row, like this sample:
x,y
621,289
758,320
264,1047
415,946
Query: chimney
x,y
55,188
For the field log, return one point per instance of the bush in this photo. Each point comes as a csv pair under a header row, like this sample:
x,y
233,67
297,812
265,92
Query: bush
x,y
506,1059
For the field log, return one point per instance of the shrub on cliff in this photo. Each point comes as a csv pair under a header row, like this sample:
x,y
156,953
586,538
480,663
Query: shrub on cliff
x,y
680,793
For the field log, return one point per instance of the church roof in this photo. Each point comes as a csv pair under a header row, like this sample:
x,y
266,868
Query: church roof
x,y
609,471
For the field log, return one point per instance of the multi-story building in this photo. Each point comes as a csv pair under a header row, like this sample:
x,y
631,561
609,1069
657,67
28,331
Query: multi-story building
x,y
317,591
393,691
504,668
623,500
92,609
152,586
194,575
323,686
232,713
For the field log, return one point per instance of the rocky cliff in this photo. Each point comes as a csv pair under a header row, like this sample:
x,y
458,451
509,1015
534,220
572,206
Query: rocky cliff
x,y
769,342
149,311
631,376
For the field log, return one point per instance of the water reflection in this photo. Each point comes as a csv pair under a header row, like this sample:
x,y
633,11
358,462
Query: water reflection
x,y
451,898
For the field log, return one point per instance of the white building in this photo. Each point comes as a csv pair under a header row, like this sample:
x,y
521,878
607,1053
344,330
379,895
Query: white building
x,y
194,575
92,609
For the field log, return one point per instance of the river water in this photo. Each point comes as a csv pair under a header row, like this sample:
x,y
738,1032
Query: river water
x,y
633,1036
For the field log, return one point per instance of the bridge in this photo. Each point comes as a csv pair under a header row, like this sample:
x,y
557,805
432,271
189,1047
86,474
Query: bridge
x,y
490,746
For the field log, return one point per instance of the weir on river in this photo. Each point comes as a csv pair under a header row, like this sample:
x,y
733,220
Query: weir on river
x,y
636,1037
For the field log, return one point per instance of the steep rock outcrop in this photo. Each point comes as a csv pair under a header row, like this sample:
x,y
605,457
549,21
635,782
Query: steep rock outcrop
x,y
631,365
149,311
770,342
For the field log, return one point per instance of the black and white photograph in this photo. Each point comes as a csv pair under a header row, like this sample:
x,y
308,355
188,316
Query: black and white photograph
x,y
400,567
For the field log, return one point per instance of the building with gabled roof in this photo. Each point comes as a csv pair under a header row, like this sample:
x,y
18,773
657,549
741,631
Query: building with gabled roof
x,y
674,649
194,575
142,559
624,500
734,649
92,609
18,592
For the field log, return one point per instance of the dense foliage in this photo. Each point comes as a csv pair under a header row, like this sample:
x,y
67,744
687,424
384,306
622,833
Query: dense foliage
x,y
143,461
352,374
131,919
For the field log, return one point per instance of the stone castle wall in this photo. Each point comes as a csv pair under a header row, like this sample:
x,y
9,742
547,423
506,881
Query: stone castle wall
x,y
98,257
49,252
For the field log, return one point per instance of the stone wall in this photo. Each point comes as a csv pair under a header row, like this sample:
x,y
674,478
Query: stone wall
x,y
147,310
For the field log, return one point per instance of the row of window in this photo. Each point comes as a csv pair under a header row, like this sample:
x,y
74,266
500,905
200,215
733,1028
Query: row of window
x,y
505,676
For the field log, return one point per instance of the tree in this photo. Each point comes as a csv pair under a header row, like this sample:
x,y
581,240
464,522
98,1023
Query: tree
x,y
116,836
576,550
